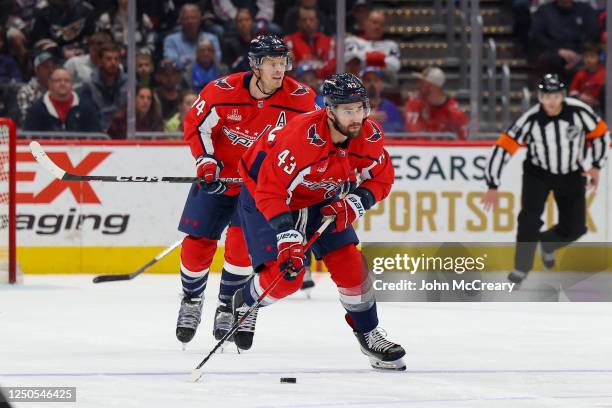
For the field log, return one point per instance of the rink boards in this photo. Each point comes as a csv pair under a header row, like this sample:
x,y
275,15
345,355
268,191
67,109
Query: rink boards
x,y
91,227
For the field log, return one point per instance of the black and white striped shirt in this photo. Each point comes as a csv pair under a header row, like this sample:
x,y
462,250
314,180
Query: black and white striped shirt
x,y
556,144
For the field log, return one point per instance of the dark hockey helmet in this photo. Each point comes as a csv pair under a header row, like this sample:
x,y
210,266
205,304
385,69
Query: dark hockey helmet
x,y
268,46
551,83
344,88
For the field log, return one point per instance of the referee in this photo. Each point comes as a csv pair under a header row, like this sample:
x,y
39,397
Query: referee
x,y
558,133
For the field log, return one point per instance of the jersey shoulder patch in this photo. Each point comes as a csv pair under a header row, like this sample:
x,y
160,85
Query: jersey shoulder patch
x,y
375,134
300,90
314,137
223,84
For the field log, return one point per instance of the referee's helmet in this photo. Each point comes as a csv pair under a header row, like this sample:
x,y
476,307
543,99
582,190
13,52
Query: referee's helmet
x,y
551,83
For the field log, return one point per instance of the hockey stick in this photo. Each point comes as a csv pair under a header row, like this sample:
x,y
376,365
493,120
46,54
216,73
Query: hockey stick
x,y
130,276
59,173
196,374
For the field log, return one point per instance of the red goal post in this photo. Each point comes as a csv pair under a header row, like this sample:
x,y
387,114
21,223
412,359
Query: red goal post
x,y
8,141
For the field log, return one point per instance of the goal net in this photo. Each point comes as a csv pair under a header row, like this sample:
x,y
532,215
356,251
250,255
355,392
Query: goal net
x,y
8,264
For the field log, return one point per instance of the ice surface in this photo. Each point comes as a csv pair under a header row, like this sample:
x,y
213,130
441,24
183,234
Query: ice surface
x,y
115,342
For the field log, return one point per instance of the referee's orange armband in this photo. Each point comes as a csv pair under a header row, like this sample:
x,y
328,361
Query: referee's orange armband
x,y
599,131
507,143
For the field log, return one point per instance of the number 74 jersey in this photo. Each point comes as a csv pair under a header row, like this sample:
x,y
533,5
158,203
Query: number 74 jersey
x,y
298,166
226,120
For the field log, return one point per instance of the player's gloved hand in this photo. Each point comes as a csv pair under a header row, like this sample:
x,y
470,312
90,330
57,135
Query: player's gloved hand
x,y
208,169
290,259
345,210
347,187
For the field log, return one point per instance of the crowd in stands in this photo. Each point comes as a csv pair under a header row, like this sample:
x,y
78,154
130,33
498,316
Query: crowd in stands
x,y
567,37
63,62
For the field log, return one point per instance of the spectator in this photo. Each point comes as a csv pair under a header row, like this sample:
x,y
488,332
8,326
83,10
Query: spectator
x,y
381,109
310,45
9,70
107,88
13,34
307,74
371,49
180,47
236,45
115,21
82,66
61,109
521,17
205,68
148,116
17,16
589,81
175,123
291,16
66,22
432,110
357,16
603,33
263,10
168,78
44,63
144,69
559,32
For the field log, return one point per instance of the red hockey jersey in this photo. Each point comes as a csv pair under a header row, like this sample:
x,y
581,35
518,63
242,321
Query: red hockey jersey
x,y
298,166
226,120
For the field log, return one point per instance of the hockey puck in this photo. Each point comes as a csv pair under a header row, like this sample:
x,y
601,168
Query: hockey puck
x,y
288,380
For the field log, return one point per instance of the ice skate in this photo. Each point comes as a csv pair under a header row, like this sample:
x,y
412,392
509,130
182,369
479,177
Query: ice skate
x,y
243,338
517,277
189,318
223,322
548,258
307,283
383,354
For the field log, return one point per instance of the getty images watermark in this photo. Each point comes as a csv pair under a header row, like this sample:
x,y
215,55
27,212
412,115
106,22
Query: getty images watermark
x,y
459,265
478,272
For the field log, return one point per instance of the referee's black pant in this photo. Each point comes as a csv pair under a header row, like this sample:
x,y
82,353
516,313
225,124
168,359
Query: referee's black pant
x,y
569,194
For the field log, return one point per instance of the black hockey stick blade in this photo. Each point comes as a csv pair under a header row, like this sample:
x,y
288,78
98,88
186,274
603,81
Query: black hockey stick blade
x,y
41,157
130,276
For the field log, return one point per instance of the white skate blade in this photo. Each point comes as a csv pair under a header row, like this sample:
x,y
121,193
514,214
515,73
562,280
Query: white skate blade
x,y
184,346
307,292
396,365
307,287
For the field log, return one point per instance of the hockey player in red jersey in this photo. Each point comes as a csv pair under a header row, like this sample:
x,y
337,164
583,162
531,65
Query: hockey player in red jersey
x,y
292,178
229,115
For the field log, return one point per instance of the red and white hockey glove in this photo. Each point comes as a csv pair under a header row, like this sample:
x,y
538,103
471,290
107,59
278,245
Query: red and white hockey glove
x,y
208,169
290,259
346,211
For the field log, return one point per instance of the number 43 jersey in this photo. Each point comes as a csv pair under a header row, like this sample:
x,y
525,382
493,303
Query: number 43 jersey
x,y
298,166
225,120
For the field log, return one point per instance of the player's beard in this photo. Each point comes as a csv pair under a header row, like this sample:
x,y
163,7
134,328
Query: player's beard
x,y
351,131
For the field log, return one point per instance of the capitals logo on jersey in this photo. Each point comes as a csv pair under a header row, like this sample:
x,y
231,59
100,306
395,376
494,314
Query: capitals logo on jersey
x,y
314,137
376,135
329,185
223,84
301,90
243,137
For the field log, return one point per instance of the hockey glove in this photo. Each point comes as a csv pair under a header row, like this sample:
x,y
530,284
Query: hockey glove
x,y
346,211
208,169
290,259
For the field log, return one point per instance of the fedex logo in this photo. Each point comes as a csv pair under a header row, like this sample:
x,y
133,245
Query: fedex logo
x,y
82,192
